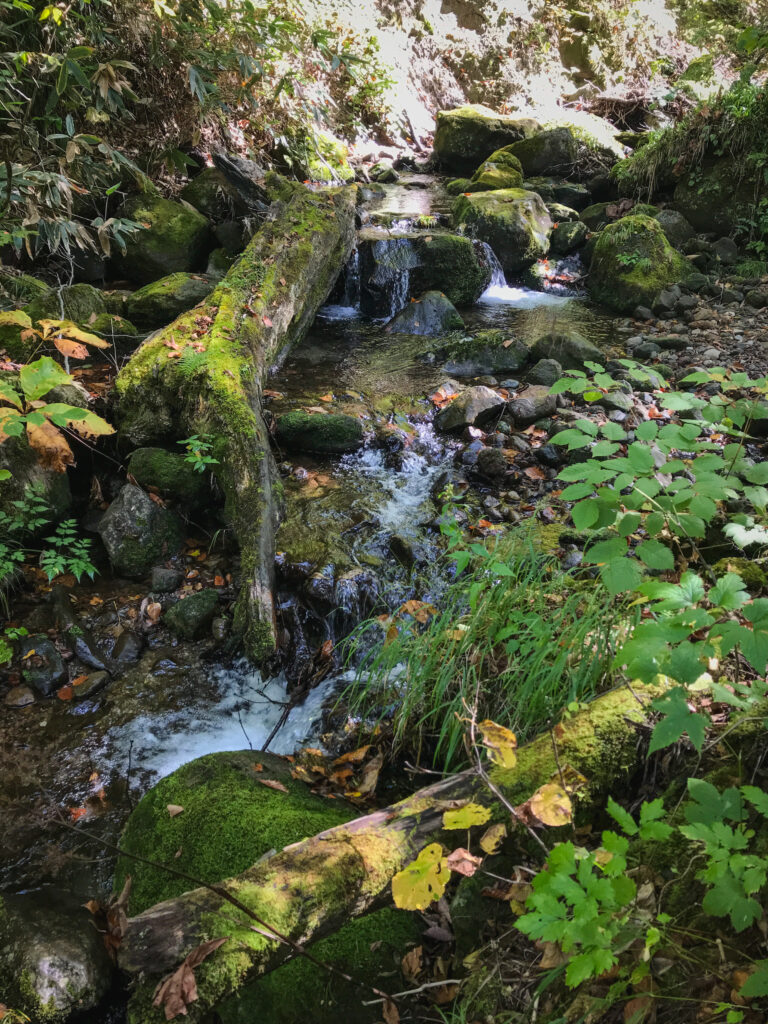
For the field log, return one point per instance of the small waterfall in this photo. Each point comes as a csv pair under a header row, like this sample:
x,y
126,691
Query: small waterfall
x,y
385,265
498,278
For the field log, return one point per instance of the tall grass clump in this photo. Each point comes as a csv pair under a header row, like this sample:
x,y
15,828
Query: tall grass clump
x,y
513,628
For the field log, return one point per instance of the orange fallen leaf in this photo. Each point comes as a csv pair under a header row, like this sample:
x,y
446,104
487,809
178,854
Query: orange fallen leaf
x,y
266,321
326,398
257,767
76,813
534,473
78,681
65,693
274,784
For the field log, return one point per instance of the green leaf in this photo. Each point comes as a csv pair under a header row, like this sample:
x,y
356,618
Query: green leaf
x,y
585,514
756,984
647,431
729,593
680,402
655,555
574,491
654,523
623,818
612,431
651,828
758,474
10,395
620,575
677,720
603,449
757,797
40,377
640,457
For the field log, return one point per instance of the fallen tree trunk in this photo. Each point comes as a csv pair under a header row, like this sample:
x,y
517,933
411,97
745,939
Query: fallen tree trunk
x,y
313,887
203,374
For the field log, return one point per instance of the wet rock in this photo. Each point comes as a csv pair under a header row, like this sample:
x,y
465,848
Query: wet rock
x,y
757,299
617,400
164,581
219,262
534,404
571,193
489,352
220,628
19,697
675,227
671,342
514,222
642,313
546,372
491,463
632,263
331,434
44,668
571,349
550,455
191,617
93,683
170,475
551,152
431,314
731,297
402,549
567,236
163,300
452,264
473,407
53,963
384,173
468,134
178,238
128,648
138,533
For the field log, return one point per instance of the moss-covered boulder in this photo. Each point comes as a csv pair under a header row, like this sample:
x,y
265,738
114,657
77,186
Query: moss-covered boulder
x,y
230,820
326,159
219,262
596,216
571,349
468,134
17,289
191,617
110,326
552,152
502,169
452,264
169,475
213,194
160,302
116,300
76,302
632,263
29,475
717,196
755,578
514,222
567,236
488,352
431,314
459,185
138,533
329,434
175,238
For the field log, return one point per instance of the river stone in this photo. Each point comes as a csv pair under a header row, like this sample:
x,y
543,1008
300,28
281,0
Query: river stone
x,y
472,407
162,301
491,463
128,648
501,169
53,962
596,216
138,533
230,820
560,212
675,227
534,404
178,238
546,372
191,617
455,265
489,352
384,173
76,302
44,667
19,697
329,434
93,683
431,314
514,222
551,152
165,581
726,250
632,262
169,474
567,236
213,194
571,193
468,134
568,347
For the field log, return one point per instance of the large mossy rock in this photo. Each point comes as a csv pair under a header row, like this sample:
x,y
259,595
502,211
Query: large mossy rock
x,y
502,169
717,196
632,262
488,352
230,820
169,475
158,303
76,302
432,314
191,617
29,475
571,349
514,222
331,434
176,238
16,289
213,194
551,152
53,963
111,326
138,533
467,135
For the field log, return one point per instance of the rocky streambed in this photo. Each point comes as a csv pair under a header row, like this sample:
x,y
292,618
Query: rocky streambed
x,y
384,406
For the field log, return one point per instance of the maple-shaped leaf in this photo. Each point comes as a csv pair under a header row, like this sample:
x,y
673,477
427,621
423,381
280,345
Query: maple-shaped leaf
x,y
179,989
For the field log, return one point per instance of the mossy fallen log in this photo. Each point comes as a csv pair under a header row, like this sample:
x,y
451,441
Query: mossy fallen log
x,y
313,887
203,374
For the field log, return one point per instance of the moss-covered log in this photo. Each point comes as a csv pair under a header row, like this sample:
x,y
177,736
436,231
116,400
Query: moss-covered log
x,y
203,375
313,887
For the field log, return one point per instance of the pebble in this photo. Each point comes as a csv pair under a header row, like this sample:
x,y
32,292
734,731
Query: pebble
x,y
19,697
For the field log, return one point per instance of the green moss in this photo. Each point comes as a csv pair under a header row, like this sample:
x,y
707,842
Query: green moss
x,y
192,616
229,821
175,238
513,221
332,434
213,195
632,262
21,288
169,474
76,302
502,169
161,301
327,159
548,152
449,264
755,578
467,135
109,325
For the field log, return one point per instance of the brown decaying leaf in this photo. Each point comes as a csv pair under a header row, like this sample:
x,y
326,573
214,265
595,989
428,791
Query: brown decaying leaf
x,y
53,451
71,349
411,964
179,989
273,784
390,1013
174,809
463,862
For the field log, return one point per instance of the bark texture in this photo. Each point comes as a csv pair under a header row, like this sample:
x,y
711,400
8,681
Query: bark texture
x,y
310,888
203,374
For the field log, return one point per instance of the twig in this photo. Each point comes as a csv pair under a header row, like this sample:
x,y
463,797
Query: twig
x,y
415,991
247,737
224,895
